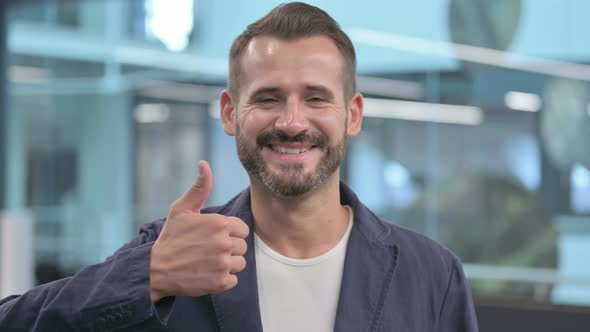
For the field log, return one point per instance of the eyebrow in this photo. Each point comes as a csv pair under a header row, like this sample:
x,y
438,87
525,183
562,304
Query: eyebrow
x,y
265,90
320,89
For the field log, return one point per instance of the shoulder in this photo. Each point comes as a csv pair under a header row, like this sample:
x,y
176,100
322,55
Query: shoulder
x,y
419,241
419,252
415,251
429,276
424,265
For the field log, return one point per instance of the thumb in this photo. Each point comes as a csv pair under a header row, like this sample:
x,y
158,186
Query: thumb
x,y
194,198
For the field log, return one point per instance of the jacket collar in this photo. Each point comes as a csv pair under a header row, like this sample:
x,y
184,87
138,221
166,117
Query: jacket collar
x,y
368,270
371,259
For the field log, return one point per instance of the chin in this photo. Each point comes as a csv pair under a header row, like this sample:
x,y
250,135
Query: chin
x,y
292,185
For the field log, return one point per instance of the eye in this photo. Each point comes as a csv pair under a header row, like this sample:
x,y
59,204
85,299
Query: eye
x,y
315,99
267,100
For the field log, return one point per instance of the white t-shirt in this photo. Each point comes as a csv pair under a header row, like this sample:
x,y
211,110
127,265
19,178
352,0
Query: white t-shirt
x,y
299,294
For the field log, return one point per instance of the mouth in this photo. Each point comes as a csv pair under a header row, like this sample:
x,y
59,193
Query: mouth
x,y
297,149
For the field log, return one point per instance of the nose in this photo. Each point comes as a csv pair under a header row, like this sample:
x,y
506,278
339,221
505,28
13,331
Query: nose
x,y
293,119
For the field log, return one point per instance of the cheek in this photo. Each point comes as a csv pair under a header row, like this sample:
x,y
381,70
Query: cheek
x,y
253,123
334,126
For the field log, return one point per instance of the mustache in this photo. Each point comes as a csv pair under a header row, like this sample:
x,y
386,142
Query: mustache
x,y
270,137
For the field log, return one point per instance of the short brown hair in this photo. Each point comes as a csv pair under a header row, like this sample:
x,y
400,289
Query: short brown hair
x,y
292,21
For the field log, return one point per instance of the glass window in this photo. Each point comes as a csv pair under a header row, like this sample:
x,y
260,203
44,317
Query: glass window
x,y
62,13
476,129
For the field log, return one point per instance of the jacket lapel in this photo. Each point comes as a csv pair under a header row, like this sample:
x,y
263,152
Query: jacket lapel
x,y
238,308
368,270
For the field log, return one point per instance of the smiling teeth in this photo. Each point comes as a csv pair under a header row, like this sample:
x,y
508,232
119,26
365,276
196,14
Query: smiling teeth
x,y
289,150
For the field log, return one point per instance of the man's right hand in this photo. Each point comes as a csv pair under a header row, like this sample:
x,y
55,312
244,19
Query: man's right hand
x,y
197,254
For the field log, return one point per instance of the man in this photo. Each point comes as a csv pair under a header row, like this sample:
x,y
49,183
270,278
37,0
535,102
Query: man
x,y
296,251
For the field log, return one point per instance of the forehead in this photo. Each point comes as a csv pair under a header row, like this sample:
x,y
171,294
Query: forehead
x,y
269,61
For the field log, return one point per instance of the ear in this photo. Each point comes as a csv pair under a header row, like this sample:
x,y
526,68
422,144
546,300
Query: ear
x,y
227,108
355,115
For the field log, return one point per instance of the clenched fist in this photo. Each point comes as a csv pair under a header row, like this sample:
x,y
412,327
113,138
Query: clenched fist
x,y
197,254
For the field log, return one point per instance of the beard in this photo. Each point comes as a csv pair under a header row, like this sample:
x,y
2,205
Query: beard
x,y
292,180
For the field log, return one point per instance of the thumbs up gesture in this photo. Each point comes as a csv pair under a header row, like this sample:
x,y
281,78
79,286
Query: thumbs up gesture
x,y
197,254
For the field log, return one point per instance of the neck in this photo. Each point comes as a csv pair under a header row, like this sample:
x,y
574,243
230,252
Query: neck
x,y
300,227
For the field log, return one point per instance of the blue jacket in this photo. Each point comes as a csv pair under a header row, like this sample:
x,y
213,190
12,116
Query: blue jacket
x,y
393,280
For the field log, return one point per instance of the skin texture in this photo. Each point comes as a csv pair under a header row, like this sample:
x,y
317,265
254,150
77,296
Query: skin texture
x,y
291,96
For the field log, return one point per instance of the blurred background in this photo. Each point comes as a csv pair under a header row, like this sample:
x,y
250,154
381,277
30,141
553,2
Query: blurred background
x,y
477,134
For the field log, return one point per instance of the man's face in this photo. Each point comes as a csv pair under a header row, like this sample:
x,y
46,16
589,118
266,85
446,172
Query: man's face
x,y
291,116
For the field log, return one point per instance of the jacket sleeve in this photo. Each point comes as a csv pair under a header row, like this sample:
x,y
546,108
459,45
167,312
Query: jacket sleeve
x,y
111,295
457,313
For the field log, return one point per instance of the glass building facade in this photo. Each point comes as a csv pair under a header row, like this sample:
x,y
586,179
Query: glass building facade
x,y
476,130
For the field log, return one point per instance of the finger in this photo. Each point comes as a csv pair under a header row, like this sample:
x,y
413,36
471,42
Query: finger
x,y
197,194
228,282
238,228
231,280
238,263
239,246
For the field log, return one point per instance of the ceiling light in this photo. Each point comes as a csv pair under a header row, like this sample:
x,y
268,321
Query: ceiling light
x,y
389,88
580,176
151,113
28,74
170,23
521,101
186,92
418,111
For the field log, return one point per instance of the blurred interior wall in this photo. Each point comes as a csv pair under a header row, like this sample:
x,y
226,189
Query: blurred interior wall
x,y
16,249
3,110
